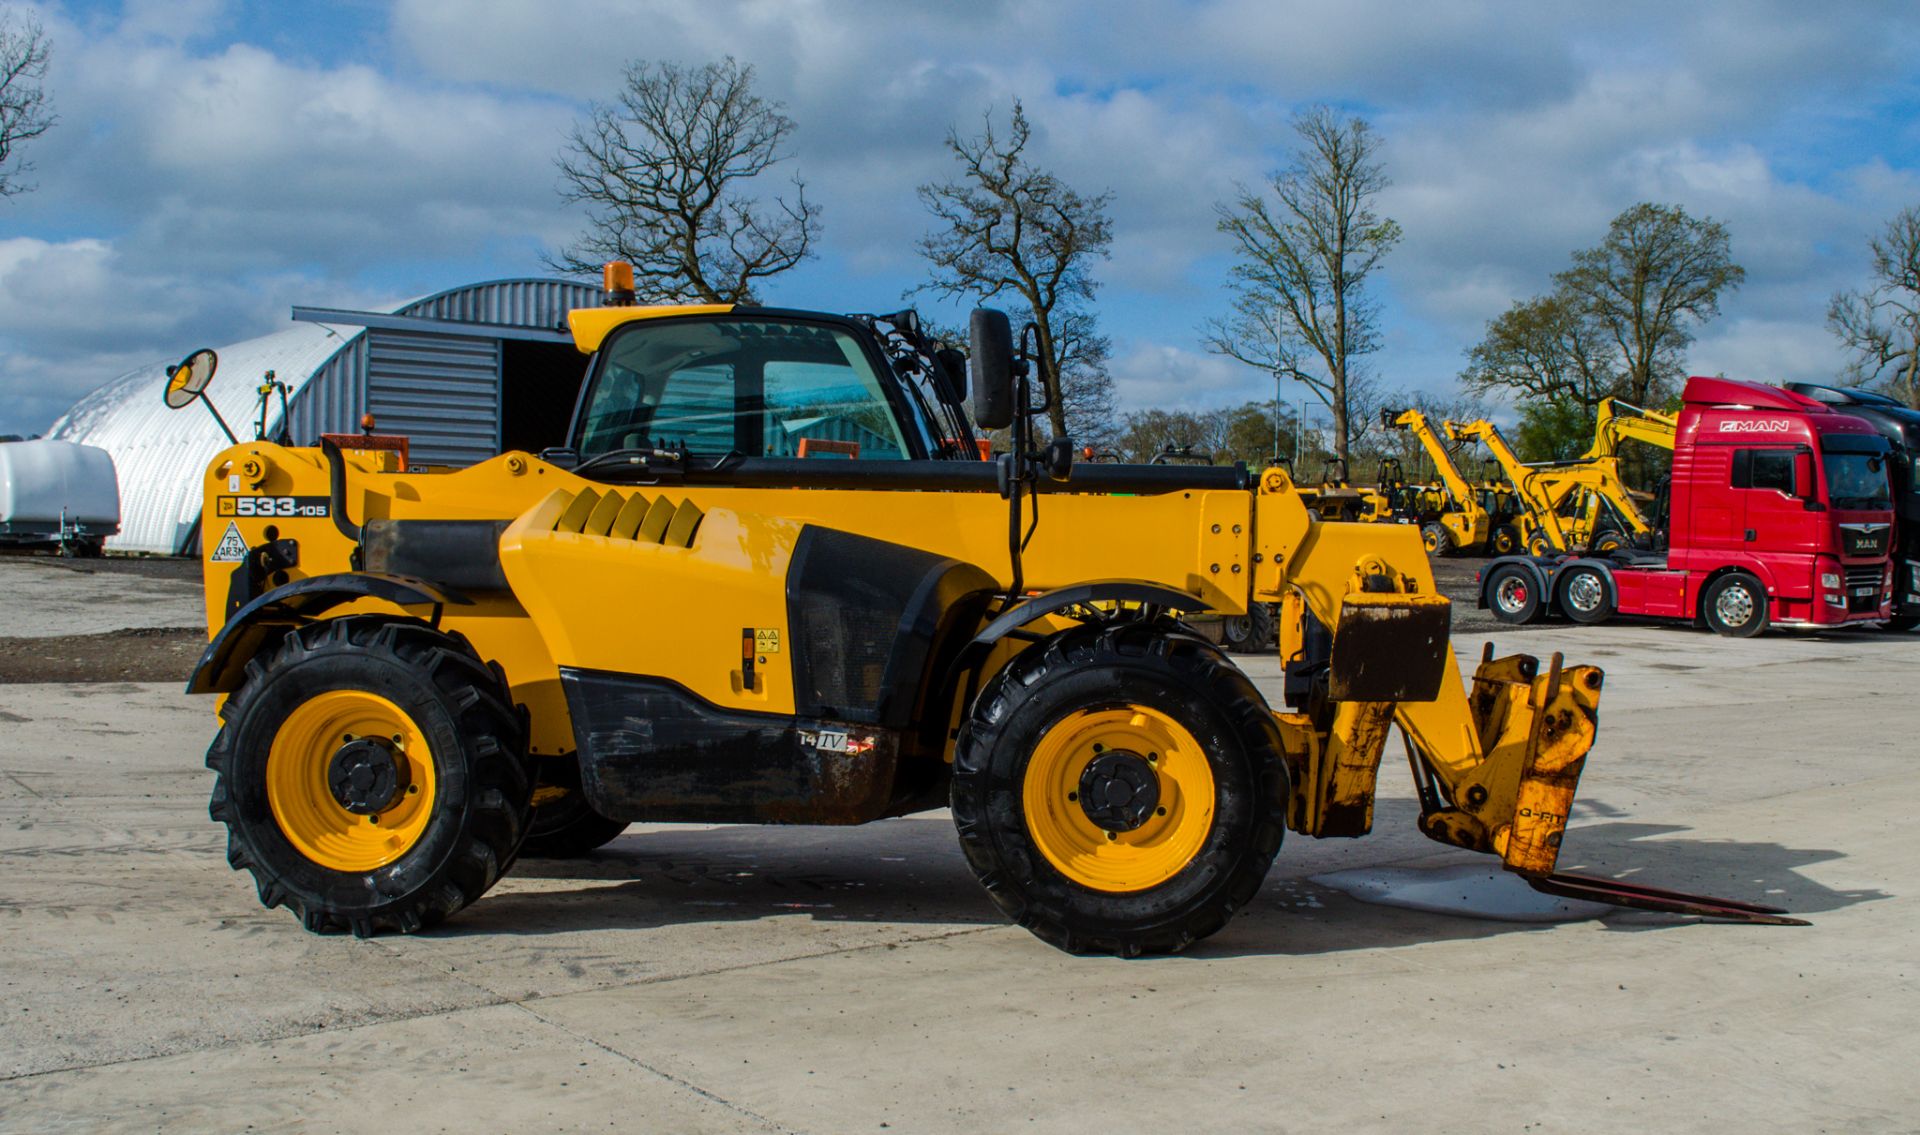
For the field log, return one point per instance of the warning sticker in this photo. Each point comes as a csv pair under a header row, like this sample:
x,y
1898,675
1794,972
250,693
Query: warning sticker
x,y
766,641
232,547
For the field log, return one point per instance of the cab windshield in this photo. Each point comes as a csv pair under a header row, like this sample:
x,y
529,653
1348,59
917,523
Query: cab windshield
x,y
1857,480
747,387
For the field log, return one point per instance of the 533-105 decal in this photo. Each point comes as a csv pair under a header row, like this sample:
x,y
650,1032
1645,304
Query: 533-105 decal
x,y
271,506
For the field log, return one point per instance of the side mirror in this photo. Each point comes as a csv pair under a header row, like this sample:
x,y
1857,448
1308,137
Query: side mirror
x,y
1804,485
190,377
950,374
991,338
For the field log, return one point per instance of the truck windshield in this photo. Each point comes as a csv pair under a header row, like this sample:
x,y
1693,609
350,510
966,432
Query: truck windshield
x,y
757,388
1857,480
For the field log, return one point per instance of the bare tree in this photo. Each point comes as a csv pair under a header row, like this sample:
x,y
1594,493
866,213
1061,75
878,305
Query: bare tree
x,y
660,171
1300,309
1657,275
1008,227
23,100
1881,325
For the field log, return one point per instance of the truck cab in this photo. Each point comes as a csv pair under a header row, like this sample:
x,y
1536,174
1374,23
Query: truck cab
x,y
1781,512
1900,425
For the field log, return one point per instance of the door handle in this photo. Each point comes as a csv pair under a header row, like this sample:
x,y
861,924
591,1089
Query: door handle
x,y
1750,536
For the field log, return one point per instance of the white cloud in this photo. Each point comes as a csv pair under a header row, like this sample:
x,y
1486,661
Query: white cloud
x,y
198,184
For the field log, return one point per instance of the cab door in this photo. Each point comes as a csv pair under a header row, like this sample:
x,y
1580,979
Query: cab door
x,y
1776,518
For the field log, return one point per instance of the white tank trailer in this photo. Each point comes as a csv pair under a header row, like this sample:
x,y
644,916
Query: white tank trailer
x,y
57,494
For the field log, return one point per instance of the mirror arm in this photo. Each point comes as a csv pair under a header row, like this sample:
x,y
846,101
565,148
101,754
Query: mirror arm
x,y
224,428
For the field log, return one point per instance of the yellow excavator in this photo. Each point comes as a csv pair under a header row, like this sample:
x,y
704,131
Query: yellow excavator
x,y
1569,505
1460,523
683,616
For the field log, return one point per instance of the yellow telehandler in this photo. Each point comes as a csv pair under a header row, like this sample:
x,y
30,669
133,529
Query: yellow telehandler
x,y
687,615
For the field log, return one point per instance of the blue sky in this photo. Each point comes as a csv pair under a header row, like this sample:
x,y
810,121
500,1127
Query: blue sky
x,y
216,163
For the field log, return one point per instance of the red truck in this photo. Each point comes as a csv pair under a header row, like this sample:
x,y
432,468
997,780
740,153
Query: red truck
x,y
1779,512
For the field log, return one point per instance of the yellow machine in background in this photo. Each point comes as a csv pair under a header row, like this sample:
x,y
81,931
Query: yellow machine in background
x,y
1580,504
680,617
1460,523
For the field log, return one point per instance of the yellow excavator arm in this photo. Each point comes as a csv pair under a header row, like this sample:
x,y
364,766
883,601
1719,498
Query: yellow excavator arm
x,y
1612,426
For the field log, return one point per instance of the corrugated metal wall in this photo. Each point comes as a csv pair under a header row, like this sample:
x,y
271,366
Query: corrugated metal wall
x,y
333,402
519,303
442,391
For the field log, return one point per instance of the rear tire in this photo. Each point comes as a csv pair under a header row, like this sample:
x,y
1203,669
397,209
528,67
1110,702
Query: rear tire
x,y
1202,844
1251,633
1584,595
1504,541
1513,595
1735,605
1607,543
453,792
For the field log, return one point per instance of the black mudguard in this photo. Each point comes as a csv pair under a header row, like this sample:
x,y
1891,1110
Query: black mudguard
x,y
224,662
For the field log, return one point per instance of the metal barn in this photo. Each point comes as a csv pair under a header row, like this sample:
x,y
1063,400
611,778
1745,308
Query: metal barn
x,y
465,374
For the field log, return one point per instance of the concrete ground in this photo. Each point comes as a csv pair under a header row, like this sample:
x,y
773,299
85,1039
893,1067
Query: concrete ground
x,y
695,979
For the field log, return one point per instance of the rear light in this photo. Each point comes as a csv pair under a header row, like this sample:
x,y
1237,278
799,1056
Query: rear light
x,y
1829,579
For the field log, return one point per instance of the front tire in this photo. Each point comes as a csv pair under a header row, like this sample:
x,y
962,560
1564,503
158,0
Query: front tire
x,y
1504,541
1436,539
1735,605
1184,786
371,775
1900,624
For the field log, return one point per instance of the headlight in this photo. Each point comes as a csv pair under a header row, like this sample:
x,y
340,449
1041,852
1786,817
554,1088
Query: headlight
x,y
1829,579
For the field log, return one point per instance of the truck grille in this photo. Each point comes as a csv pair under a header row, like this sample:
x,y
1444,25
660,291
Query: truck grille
x,y
1865,539
1863,586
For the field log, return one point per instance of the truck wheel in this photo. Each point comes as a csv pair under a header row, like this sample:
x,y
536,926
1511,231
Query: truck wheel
x,y
1512,595
1504,541
1900,624
1584,596
370,775
1251,633
1120,790
565,824
1735,605
1436,540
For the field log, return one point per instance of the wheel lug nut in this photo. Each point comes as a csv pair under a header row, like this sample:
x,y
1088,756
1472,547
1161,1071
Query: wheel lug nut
x,y
1072,796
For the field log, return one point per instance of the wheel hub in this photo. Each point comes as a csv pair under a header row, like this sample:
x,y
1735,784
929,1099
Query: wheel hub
x,y
366,776
1119,790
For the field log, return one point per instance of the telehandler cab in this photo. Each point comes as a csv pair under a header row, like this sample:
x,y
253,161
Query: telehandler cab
x,y
687,616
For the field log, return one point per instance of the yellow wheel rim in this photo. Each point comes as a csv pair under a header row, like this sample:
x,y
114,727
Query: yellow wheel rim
x,y
314,822
1134,860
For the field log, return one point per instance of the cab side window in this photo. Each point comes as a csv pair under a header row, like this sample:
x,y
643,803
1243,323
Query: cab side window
x,y
1764,469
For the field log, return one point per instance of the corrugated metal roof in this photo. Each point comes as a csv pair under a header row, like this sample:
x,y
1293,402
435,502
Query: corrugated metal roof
x,y
161,455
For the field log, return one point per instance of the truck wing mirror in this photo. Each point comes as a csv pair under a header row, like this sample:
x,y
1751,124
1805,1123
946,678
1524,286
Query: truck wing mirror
x,y
990,336
1805,486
